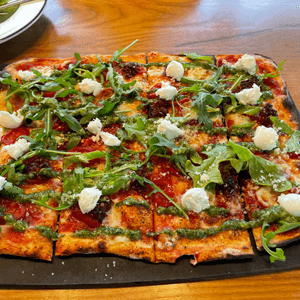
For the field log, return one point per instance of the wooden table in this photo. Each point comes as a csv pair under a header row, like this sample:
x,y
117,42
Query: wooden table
x,y
271,28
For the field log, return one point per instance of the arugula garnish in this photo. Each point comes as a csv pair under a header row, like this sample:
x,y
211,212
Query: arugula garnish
x,y
119,52
266,238
262,171
274,74
200,101
195,57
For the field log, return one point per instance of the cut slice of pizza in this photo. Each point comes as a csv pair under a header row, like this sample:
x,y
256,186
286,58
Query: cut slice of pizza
x,y
250,81
207,224
111,214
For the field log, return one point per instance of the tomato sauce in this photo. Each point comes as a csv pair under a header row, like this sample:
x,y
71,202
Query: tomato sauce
x,y
26,212
11,136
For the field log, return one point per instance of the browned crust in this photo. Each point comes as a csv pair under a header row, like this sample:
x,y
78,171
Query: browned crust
x,y
29,244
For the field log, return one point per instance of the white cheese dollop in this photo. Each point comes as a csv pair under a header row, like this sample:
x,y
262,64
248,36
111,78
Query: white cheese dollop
x,y
110,139
166,91
247,63
249,96
291,203
8,120
195,199
175,70
2,182
95,126
26,75
171,131
46,71
17,149
89,86
88,199
265,138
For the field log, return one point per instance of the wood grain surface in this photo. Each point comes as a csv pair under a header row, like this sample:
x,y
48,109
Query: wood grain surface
x,y
271,28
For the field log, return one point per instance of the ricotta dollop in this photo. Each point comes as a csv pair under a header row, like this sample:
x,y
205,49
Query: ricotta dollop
x,y
166,91
247,63
249,96
88,199
2,182
265,138
26,75
171,131
175,70
291,203
90,86
8,120
109,139
94,126
17,149
195,199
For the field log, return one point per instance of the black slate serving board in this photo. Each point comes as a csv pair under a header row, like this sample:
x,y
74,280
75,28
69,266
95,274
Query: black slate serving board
x,y
84,271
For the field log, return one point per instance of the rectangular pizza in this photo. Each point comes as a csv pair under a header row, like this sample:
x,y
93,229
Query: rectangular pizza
x,y
148,156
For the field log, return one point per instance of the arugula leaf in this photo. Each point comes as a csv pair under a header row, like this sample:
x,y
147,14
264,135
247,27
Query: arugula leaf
x,y
119,52
194,56
274,74
200,101
293,145
84,157
265,239
282,126
64,116
66,92
77,57
264,172
243,153
43,202
210,166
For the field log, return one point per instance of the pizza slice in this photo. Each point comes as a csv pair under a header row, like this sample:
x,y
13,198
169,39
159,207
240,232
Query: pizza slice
x,y
203,223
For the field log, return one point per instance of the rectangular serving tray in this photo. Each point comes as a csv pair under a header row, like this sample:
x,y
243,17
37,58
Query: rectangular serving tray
x,y
103,270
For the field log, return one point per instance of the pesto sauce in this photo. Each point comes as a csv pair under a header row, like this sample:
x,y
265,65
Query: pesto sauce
x,y
47,232
38,196
269,215
171,210
18,225
46,172
105,230
239,131
131,202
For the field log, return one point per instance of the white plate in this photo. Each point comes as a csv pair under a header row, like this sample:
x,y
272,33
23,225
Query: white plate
x,y
23,18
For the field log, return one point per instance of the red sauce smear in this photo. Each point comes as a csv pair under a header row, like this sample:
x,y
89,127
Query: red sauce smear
x,y
26,212
11,136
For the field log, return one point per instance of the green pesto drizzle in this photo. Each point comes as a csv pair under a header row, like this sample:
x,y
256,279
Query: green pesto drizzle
x,y
47,232
130,201
268,215
105,230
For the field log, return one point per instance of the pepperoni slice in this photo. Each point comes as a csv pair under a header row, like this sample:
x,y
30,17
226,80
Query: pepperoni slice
x,y
11,136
